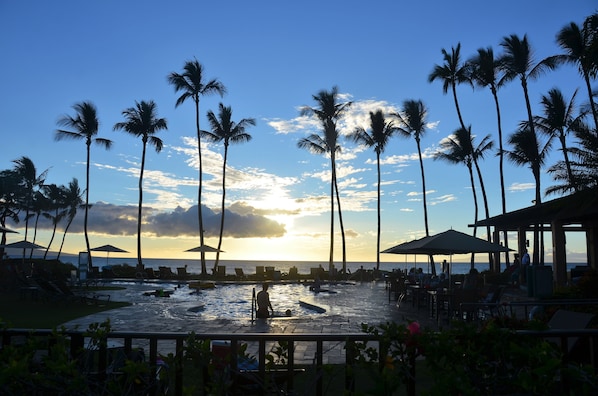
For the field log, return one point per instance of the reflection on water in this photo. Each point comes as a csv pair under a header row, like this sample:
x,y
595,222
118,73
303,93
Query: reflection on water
x,y
233,301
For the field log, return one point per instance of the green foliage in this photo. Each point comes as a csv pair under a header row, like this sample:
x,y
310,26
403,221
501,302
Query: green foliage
x,y
471,360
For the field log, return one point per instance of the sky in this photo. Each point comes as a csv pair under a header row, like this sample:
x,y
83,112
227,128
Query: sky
x,y
272,57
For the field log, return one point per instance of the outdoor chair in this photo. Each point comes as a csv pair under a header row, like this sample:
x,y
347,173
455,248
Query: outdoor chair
x,y
182,272
568,320
166,273
83,296
240,274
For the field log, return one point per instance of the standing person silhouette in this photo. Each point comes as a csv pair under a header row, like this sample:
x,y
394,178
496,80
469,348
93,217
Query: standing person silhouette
x,y
263,303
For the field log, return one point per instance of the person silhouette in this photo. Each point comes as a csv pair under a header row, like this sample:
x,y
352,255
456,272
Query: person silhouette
x,y
263,303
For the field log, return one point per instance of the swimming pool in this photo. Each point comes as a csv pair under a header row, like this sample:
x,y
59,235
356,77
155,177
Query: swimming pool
x,y
233,301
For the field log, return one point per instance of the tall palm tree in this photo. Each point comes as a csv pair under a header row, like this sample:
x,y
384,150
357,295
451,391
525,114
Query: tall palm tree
x,y
452,73
557,121
57,209
484,69
41,207
141,121
527,151
517,61
225,130
412,120
381,132
193,86
329,111
84,126
584,163
458,149
577,43
72,201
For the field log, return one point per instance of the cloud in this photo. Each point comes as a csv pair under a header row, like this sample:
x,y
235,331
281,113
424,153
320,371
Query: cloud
x,y
121,220
518,187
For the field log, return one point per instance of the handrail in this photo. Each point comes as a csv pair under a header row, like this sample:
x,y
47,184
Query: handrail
x,y
77,339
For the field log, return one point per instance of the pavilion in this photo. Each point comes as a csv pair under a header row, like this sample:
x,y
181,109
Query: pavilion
x,y
577,212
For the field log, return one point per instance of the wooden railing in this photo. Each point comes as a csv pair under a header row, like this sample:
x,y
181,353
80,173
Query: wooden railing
x,y
174,342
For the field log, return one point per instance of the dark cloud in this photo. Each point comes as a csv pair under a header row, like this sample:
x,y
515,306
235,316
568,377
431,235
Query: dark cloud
x,y
122,220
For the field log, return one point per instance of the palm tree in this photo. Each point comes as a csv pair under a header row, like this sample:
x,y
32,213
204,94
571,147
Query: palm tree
x,y
452,72
484,69
226,130
72,201
381,132
9,204
193,85
30,182
84,126
141,121
458,149
557,121
328,112
57,209
517,61
41,207
413,124
526,151
577,43
585,161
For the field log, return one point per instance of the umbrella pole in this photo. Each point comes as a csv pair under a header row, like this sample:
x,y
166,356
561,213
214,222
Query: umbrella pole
x,y
252,305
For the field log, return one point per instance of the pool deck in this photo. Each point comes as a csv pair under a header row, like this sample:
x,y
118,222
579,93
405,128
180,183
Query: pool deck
x,y
133,318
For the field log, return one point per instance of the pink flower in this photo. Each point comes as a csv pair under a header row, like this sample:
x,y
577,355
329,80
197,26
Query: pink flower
x,y
414,328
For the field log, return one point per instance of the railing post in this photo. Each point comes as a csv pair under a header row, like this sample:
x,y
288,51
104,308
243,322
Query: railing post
x,y
291,366
319,368
349,358
178,367
153,358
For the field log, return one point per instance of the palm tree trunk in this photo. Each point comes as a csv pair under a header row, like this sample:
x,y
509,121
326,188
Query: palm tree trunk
x,y
421,167
222,208
475,206
66,229
379,217
53,234
457,105
199,211
331,258
89,260
501,155
487,211
139,209
591,95
342,226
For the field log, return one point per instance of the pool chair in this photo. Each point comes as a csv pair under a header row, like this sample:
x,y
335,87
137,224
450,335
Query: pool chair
x,y
182,272
568,320
166,273
240,274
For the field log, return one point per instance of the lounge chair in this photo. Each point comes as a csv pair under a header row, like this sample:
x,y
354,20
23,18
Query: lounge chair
x,y
240,274
568,320
166,273
182,272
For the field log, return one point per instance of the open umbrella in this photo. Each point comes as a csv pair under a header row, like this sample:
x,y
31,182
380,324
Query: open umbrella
x,y
4,229
108,249
205,249
447,243
22,245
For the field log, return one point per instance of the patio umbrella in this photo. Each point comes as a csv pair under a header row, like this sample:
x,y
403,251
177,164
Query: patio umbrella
x,y
22,245
108,249
4,229
205,249
447,243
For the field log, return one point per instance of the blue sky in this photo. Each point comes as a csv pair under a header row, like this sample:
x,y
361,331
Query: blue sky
x,y
272,56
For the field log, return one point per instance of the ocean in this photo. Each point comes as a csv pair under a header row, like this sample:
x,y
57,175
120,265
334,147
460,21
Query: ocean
x,y
303,267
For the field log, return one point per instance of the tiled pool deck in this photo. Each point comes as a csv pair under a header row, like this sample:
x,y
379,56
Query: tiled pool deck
x,y
370,299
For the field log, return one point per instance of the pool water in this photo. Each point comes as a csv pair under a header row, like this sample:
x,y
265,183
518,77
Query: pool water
x,y
234,301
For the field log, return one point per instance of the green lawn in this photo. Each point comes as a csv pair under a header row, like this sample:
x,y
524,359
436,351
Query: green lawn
x,y
18,312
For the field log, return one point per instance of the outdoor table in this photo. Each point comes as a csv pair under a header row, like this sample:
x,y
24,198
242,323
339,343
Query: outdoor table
x,y
437,299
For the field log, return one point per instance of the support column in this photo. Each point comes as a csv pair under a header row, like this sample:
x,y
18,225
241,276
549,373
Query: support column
x,y
496,256
592,244
559,255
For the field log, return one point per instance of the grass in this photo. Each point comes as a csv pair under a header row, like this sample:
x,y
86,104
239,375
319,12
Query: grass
x,y
18,312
